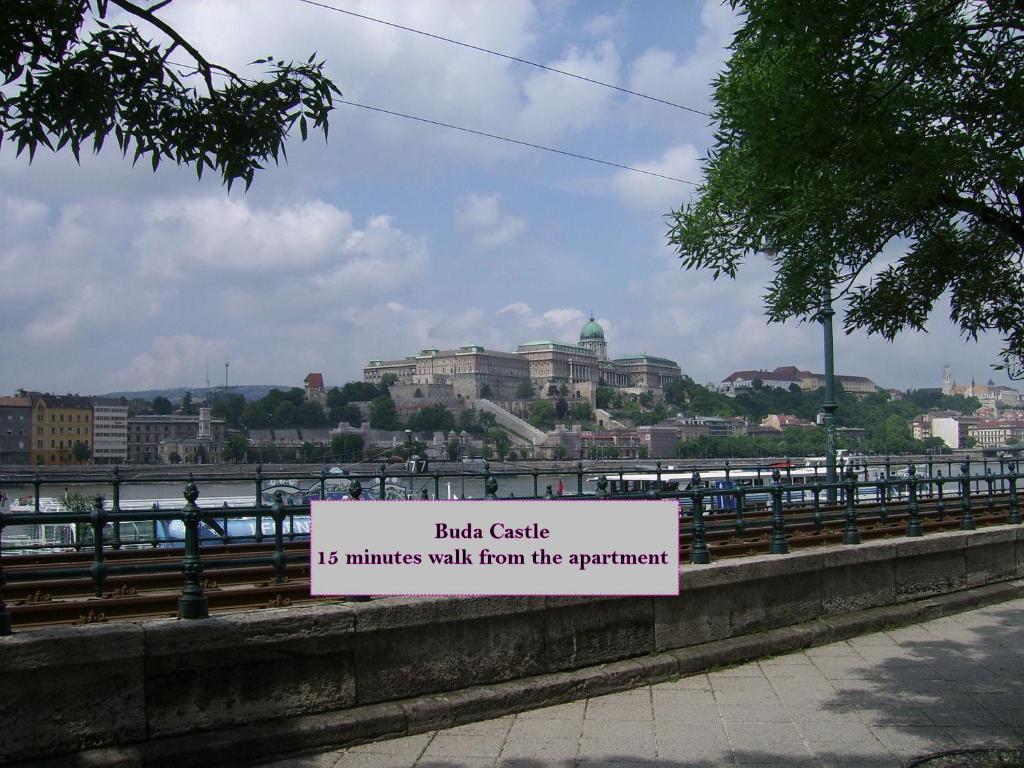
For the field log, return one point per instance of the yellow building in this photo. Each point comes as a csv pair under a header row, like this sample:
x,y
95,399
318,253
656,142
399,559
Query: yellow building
x,y
59,423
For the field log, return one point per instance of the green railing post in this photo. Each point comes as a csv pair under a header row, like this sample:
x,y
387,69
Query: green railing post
x,y
990,482
850,533
258,530
323,486
5,614
193,603
966,515
741,524
699,553
115,507
913,518
1014,514
778,545
36,483
940,506
279,558
816,517
98,570
886,492
224,536
437,484
536,494
579,477
382,477
490,483
154,542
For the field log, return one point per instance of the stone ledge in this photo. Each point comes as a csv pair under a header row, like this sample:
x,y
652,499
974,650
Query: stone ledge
x,y
244,745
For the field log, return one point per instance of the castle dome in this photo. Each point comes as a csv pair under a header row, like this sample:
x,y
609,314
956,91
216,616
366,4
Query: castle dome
x,y
592,330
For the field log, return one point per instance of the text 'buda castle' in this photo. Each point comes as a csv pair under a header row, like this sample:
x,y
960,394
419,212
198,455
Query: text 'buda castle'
x,y
547,365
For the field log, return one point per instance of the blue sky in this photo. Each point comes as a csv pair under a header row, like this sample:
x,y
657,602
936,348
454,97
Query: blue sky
x,y
396,236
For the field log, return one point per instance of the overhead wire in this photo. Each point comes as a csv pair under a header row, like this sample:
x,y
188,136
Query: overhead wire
x,y
488,135
515,141
510,57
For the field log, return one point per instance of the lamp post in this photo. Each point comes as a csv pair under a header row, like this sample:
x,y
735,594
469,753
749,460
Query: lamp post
x,y
830,405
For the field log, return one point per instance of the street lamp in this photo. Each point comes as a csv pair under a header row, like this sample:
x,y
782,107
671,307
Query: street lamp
x,y
830,406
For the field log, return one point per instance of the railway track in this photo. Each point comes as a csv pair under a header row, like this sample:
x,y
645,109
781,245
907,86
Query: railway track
x,y
57,588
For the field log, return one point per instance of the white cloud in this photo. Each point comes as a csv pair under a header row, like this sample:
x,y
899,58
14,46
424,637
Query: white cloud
x,y
170,361
221,234
660,195
480,216
603,24
684,77
557,105
379,258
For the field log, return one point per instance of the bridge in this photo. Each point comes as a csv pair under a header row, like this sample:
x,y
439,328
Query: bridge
x,y
777,555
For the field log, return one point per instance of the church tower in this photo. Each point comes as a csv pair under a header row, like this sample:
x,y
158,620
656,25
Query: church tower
x,y
948,385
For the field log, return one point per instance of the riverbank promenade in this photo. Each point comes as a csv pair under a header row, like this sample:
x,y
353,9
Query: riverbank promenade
x,y
876,701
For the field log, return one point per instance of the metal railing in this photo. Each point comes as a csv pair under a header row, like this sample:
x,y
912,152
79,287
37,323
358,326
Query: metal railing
x,y
766,500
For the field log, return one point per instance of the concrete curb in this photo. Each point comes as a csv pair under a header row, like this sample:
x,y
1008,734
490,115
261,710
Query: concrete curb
x,y
249,744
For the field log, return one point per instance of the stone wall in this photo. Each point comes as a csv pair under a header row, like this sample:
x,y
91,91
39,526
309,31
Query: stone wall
x,y
70,689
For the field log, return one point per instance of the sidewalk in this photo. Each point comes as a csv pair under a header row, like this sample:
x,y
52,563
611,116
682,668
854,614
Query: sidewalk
x,y
872,702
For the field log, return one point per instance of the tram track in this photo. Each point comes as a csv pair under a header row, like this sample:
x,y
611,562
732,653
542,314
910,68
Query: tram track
x,y
45,589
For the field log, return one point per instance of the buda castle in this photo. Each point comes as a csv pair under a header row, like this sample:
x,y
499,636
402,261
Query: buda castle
x,y
552,367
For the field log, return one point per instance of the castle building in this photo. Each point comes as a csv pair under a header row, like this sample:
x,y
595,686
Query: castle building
x,y
551,367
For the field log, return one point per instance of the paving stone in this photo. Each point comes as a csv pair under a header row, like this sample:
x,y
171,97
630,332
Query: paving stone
x,y
546,729
961,717
617,749
406,745
910,738
572,710
678,698
498,726
903,717
692,682
373,760
836,732
456,762
980,736
752,669
708,734
742,684
622,729
446,744
810,714
742,714
542,749
858,755
759,698
750,736
626,706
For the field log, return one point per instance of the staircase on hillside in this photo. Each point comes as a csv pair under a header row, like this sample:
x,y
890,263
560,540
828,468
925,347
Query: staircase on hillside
x,y
510,422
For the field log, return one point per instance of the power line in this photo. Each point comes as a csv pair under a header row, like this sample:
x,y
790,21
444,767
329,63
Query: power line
x,y
454,127
514,141
481,49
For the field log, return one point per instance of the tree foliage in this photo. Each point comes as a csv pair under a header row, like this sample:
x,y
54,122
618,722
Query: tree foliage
x,y
72,87
875,136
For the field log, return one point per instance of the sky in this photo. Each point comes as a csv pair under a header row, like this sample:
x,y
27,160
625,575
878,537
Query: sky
x,y
395,236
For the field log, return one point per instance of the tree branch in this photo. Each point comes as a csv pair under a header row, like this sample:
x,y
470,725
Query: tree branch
x,y
987,215
204,66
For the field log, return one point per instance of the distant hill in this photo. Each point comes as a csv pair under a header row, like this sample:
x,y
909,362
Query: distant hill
x,y
175,394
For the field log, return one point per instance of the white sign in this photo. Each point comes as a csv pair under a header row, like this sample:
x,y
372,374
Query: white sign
x,y
497,547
